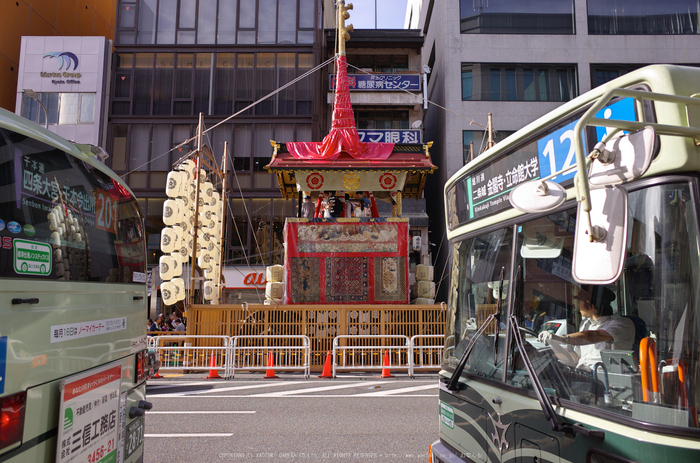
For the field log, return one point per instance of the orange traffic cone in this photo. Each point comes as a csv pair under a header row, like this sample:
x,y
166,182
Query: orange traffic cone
x,y
327,373
385,371
270,364
213,372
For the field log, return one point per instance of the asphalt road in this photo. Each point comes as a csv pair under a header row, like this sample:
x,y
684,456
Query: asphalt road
x,y
291,419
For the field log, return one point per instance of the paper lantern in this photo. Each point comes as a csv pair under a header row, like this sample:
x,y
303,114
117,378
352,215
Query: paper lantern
x,y
171,212
180,288
169,292
167,267
175,184
168,240
209,290
188,168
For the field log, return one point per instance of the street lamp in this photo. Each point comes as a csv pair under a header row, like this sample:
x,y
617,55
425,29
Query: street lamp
x,y
32,94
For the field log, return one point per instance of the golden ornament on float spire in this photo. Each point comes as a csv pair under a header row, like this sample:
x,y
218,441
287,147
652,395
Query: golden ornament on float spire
x,y
343,30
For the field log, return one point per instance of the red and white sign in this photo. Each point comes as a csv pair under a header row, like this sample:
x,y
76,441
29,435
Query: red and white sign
x,y
245,277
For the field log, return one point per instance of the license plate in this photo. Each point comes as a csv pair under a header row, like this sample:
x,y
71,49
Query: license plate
x,y
134,436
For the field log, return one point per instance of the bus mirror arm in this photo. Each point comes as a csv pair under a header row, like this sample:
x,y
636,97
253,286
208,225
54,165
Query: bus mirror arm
x,y
547,408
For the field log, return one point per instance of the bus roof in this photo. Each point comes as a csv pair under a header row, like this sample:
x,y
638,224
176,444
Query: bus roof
x,y
30,129
661,78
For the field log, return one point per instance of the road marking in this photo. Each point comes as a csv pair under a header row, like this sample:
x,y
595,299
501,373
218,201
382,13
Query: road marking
x,y
207,412
162,384
318,389
211,434
397,391
314,396
232,388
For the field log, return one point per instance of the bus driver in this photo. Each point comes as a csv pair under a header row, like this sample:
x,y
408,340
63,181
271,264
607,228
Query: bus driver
x,y
600,329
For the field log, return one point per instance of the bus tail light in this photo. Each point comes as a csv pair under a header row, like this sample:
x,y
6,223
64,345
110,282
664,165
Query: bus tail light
x,y
12,419
140,366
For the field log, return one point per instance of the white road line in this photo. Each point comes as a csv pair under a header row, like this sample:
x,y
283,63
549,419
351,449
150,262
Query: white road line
x,y
398,391
162,384
232,388
205,412
319,389
211,434
314,396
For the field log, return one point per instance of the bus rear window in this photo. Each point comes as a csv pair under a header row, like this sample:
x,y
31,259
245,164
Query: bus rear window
x,y
63,219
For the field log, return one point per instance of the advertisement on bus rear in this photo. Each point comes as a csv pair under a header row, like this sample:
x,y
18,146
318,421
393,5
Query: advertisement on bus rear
x,y
88,428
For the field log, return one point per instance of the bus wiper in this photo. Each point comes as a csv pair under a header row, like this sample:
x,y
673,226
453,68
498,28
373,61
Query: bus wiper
x,y
452,385
499,307
547,408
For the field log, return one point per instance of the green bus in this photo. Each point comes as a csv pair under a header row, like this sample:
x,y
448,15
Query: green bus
x,y
573,322
73,349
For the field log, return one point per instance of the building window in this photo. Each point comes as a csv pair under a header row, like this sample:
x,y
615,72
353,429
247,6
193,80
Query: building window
x,y
62,108
518,82
378,63
474,142
224,22
517,17
643,17
180,84
382,120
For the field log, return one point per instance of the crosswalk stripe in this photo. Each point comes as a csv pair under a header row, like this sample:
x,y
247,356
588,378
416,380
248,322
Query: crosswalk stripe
x,y
397,391
203,412
318,389
232,388
205,434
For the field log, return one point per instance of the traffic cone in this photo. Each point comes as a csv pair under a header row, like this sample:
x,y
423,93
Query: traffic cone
x,y
270,364
327,373
213,372
385,371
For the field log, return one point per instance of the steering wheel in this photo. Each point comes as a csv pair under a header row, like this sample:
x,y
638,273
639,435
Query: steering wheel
x,y
528,331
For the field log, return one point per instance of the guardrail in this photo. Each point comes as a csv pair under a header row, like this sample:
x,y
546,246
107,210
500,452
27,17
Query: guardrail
x,y
189,353
248,354
426,355
293,352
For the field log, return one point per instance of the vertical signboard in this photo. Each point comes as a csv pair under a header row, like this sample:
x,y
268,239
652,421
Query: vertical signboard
x,y
88,428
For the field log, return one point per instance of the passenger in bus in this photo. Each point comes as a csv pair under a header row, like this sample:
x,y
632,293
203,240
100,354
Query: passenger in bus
x,y
600,329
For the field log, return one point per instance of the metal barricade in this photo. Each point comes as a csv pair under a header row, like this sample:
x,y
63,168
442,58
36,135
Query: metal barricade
x,y
426,355
371,357
194,353
286,353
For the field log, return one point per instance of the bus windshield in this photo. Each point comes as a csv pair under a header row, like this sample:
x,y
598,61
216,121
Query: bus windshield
x,y
628,348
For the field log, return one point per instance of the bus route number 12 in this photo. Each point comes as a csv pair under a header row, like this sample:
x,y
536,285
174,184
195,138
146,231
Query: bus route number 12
x,y
556,152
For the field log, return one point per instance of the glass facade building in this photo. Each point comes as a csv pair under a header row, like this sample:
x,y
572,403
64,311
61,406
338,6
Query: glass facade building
x,y
175,59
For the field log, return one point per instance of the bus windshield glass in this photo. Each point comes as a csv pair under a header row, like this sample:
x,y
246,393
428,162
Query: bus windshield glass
x,y
63,218
628,348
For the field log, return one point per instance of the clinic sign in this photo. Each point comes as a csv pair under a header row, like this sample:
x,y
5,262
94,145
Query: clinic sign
x,y
63,59
381,82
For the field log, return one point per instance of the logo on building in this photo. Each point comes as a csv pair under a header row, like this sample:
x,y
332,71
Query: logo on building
x,y
64,57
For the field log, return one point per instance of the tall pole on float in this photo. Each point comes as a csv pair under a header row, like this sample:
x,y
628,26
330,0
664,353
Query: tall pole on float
x,y
222,233
343,30
195,225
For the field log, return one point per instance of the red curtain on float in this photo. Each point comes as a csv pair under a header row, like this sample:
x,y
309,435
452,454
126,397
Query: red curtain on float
x,y
343,136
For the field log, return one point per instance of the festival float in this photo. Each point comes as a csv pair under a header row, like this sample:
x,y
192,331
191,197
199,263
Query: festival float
x,y
344,273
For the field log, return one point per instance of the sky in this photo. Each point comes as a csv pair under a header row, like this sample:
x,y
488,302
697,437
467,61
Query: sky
x,y
390,14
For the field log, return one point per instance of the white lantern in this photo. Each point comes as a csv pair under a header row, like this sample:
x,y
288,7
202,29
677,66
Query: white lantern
x,y
209,290
167,267
180,288
171,212
168,240
169,292
175,184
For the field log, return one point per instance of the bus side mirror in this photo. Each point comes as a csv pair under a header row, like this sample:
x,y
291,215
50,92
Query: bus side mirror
x,y
601,261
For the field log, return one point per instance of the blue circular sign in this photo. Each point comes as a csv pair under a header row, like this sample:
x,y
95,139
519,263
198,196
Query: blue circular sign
x,y
14,227
2,225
